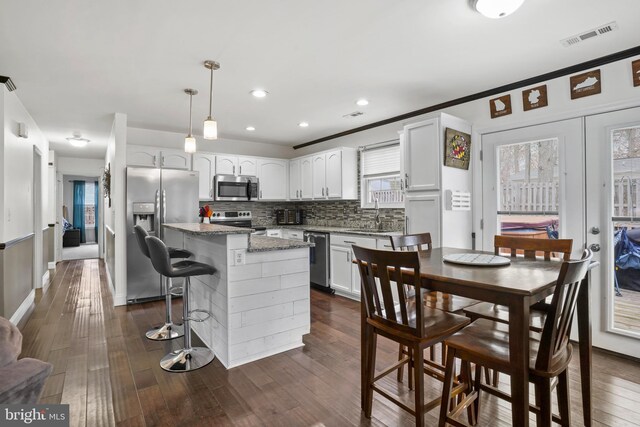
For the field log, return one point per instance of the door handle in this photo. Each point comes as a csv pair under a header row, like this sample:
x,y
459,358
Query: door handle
x,y
234,169
595,230
261,194
240,169
406,225
322,191
157,213
155,160
349,241
595,247
406,181
327,191
164,207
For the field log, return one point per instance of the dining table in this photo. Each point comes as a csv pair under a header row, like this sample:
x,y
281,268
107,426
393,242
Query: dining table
x,y
518,285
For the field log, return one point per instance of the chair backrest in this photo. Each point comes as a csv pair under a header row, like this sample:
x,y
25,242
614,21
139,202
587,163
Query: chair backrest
x,y
142,234
530,246
403,268
411,242
159,255
557,326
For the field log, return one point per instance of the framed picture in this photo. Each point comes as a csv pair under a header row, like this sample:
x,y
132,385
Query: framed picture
x,y
457,149
500,106
585,84
635,69
535,97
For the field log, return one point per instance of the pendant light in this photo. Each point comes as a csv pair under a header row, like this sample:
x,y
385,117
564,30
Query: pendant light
x,y
190,141
211,126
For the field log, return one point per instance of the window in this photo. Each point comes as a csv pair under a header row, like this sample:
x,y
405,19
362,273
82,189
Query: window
x,y
89,205
380,177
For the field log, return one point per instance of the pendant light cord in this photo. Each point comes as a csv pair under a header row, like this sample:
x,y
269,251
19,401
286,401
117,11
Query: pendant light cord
x,y
211,93
190,107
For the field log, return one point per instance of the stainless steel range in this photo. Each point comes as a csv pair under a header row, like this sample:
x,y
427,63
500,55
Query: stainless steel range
x,y
236,219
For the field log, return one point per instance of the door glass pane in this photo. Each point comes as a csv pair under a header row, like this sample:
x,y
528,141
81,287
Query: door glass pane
x,y
529,187
626,227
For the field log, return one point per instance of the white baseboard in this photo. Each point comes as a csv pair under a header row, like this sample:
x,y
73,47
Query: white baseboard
x,y
52,266
45,281
119,300
24,307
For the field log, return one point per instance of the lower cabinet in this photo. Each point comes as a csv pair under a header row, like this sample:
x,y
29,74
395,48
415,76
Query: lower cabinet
x,y
345,277
292,234
275,232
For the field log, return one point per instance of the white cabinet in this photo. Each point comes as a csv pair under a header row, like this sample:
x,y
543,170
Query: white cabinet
x,y
292,234
272,174
384,244
295,192
140,155
205,164
319,162
234,165
422,214
334,174
275,232
306,178
422,158
345,276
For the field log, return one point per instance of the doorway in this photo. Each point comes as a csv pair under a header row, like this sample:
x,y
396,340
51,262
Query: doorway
x,y
577,179
80,217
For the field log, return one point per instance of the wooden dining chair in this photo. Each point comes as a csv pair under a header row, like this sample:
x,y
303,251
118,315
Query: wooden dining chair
x,y
415,326
486,343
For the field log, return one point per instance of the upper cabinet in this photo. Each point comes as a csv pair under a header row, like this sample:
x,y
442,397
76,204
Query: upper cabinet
x,y
306,178
295,187
234,165
205,164
140,155
272,174
422,155
334,174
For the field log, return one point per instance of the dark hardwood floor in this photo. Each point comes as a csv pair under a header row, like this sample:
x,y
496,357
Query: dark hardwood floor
x,y
109,373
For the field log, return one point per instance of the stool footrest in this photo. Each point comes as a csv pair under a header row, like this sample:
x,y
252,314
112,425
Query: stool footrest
x,y
207,316
176,291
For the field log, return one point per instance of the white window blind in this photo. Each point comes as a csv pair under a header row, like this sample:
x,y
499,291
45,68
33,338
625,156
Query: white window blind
x,y
382,160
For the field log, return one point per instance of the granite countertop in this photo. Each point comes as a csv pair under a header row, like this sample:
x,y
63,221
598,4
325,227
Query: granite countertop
x,y
200,229
264,244
339,230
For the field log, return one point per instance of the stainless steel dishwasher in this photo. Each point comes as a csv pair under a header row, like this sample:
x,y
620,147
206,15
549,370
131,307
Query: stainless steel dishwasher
x,y
319,260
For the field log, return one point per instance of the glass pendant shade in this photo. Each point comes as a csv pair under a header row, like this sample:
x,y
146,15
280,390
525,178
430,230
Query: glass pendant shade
x,y
496,9
210,130
189,144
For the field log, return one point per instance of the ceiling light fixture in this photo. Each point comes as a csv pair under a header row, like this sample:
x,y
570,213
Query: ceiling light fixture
x,y
78,141
210,126
303,124
259,93
496,9
250,128
189,140
362,102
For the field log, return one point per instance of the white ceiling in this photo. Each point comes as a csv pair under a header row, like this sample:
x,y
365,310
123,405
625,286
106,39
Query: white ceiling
x,y
75,63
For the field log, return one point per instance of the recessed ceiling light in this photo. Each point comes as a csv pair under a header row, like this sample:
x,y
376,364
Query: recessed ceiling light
x,y
362,102
303,124
259,93
77,141
250,128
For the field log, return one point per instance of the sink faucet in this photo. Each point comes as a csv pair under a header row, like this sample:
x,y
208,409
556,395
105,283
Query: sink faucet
x,y
377,217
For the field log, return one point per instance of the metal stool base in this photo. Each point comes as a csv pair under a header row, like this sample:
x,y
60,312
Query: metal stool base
x,y
166,332
184,360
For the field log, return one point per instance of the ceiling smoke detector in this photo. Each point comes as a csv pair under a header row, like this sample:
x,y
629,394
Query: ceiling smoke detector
x,y
589,34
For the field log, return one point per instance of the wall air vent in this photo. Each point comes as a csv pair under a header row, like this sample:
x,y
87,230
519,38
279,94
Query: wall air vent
x,y
589,34
354,114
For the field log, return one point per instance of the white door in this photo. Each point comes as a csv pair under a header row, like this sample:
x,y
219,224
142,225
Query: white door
x,y
532,182
143,156
422,157
226,165
247,166
272,174
319,176
205,164
175,159
334,174
341,273
306,178
613,204
422,215
294,180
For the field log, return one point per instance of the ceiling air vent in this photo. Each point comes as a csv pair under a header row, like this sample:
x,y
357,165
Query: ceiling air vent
x,y
589,34
354,114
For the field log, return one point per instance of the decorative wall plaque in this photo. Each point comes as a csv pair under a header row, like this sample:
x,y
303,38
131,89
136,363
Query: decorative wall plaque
x,y
457,149
635,69
535,97
585,84
500,106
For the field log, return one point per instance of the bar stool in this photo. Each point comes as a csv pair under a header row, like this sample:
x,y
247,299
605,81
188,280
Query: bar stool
x,y
169,330
188,358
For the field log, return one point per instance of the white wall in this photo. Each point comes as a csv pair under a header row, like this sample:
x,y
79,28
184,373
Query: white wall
x,y
80,166
16,174
156,138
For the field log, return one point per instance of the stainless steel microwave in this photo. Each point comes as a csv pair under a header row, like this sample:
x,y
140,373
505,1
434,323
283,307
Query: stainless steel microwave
x,y
235,188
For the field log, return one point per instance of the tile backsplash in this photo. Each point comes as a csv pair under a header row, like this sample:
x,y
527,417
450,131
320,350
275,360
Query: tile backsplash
x,y
339,213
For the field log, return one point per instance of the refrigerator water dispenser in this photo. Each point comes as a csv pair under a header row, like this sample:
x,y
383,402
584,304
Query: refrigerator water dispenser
x,y
144,215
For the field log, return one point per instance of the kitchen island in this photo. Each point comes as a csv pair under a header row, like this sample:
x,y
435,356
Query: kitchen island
x,y
259,295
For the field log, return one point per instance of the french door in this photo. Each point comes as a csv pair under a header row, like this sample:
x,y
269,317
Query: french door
x,y
576,179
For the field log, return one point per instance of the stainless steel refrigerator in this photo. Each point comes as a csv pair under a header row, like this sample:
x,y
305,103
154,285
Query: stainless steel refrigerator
x,y
155,196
